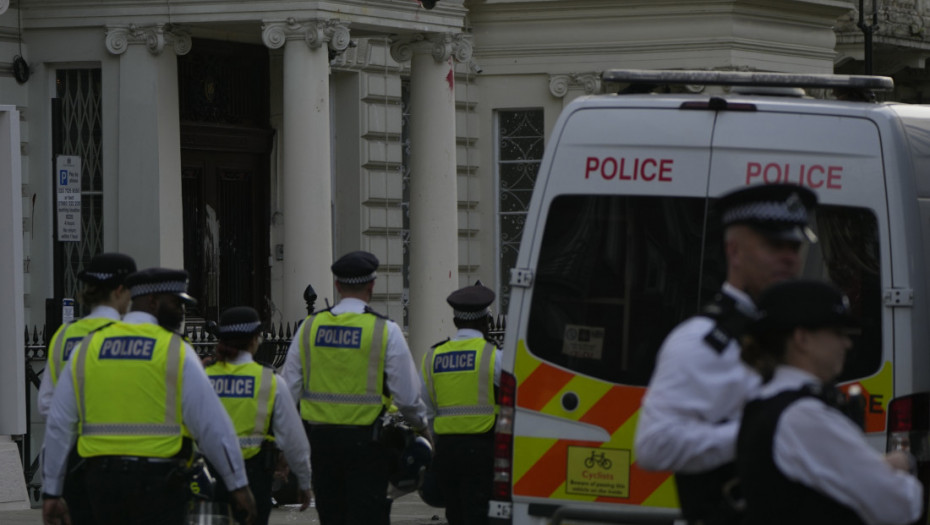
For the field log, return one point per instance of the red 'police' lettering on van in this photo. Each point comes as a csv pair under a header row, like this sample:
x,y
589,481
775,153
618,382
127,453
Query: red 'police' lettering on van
x,y
813,176
622,168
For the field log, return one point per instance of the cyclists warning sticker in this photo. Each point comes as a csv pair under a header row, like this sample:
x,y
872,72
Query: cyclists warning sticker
x,y
595,471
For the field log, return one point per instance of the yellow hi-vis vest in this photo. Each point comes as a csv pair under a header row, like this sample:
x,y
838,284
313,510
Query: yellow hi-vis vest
x,y
247,391
127,381
66,339
459,377
344,384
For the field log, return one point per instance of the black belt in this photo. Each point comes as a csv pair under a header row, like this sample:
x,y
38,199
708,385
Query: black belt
x,y
135,464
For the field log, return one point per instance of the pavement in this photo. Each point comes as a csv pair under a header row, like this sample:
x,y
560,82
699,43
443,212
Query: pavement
x,y
407,510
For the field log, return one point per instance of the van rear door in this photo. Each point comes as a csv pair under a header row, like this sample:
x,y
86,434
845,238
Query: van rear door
x,y
615,242
839,156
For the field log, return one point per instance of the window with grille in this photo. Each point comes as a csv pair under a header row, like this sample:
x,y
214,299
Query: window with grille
x,y
520,140
77,128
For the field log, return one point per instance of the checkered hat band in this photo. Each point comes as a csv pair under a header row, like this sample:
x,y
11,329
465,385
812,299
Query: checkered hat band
x,y
471,316
241,328
100,276
358,280
766,211
165,287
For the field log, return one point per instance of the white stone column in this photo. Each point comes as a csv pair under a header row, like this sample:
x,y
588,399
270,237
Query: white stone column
x,y
306,167
149,194
434,234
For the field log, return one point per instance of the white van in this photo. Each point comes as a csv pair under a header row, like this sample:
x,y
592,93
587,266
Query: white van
x,y
621,243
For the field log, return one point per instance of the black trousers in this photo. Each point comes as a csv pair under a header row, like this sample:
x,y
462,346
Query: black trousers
x,y
350,475
74,491
132,490
259,470
465,465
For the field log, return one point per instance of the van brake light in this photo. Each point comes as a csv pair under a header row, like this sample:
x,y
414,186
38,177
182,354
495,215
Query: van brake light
x,y
718,104
909,430
503,438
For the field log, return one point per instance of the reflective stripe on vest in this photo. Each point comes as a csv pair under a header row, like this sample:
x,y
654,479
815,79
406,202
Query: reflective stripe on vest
x,y
249,409
340,397
122,421
67,338
460,380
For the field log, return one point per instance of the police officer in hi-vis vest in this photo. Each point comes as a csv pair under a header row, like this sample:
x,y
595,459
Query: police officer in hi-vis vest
x,y
132,396
460,376
261,408
108,300
691,410
347,364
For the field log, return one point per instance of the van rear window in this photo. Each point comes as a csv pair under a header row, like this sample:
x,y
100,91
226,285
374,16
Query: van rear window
x,y
616,273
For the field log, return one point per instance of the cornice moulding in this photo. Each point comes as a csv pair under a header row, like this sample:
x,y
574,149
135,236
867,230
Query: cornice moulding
x,y
383,15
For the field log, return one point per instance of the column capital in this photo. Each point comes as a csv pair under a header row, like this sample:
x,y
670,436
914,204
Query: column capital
x,y
315,33
559,85
442,46
154,37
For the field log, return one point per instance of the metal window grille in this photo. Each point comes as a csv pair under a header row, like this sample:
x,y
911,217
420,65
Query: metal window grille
x,y
520,144
80,132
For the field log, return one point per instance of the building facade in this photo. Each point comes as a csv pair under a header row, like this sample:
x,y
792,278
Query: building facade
x,y
251,142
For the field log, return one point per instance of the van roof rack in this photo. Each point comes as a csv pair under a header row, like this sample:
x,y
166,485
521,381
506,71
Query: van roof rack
x,y
748,78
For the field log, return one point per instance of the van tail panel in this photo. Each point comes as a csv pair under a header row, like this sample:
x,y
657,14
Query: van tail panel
x,y
545,465
877,390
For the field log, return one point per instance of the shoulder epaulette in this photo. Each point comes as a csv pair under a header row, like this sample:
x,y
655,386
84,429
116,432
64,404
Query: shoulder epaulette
x,y
730,322
440,343
368,310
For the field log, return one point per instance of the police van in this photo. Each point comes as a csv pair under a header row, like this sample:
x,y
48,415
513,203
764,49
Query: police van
x,y
622,243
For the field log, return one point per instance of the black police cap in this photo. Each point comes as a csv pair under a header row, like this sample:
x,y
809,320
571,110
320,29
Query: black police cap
x,y
471,302
802,303
107,268
159,280
355,268
238,321
779,211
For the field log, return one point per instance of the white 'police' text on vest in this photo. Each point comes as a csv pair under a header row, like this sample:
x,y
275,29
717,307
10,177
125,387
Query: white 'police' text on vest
x,y
127,348
69,346
339,336
233,386
454,361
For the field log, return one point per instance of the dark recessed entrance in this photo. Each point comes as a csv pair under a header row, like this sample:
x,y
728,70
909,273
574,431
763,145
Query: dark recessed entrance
x,y
225,157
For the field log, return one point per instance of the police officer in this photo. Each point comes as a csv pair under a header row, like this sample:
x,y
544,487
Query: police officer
x,y
690,413
130,395
800,460
261,409
460,376
103,292
346,364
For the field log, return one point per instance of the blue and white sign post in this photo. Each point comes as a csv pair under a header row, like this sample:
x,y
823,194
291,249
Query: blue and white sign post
x,y
68,168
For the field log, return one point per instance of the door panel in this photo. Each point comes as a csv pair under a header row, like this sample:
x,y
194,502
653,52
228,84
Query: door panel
x,y
226,230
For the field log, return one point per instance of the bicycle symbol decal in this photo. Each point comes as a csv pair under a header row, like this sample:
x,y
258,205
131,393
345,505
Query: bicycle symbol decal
x,y
598,459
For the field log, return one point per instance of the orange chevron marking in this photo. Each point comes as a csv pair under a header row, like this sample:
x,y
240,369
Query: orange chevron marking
x,y
541,386
614,408
642,484
549,472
